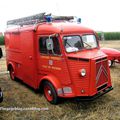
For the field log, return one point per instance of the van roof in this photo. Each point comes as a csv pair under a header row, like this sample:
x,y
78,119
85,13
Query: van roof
x,y
54,27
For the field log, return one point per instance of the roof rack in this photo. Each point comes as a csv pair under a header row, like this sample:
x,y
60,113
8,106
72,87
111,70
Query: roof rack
x,y
38,18
67,18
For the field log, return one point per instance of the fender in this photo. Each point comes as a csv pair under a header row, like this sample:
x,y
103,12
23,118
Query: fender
x,y
56,83
12,64
111,58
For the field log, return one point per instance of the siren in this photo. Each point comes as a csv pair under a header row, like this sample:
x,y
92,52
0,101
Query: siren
x,y
48,19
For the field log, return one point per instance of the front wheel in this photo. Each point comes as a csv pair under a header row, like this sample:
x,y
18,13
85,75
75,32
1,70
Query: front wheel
x,y
12,73
50,93
1,96
110,63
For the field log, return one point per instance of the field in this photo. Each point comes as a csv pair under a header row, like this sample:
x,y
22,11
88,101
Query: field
x,y
17,94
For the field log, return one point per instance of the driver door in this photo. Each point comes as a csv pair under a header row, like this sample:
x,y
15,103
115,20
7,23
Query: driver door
x,y
51,59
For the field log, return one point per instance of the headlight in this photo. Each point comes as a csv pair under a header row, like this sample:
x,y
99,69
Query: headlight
x,y
83,72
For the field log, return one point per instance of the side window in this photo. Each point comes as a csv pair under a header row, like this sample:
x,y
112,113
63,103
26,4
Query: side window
x,y
43,46
56,46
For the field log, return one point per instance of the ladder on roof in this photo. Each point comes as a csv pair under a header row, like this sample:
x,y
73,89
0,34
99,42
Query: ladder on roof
x,y
26,20
38,18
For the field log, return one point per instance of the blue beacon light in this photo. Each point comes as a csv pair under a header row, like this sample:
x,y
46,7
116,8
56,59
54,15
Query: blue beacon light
x,y
48,18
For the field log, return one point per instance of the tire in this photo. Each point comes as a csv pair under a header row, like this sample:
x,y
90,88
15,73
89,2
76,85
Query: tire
x,y
12,73
110,63
50,93
1,99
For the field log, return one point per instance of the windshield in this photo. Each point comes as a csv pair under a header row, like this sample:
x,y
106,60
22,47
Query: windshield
x,y
75,43
72,43
89,41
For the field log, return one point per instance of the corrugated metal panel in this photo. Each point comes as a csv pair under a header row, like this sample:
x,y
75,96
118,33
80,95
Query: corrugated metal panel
x,y
79,81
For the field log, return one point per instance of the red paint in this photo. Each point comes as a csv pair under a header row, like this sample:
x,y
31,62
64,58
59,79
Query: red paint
x,y
113,54
62,71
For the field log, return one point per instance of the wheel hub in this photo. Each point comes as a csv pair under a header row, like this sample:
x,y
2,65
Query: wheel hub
x,y
49,92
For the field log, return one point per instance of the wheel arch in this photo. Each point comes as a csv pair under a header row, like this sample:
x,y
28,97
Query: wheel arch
x,y
52,79
10,64
112,58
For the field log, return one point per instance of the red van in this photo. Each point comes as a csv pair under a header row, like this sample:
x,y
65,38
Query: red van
x,y
55,55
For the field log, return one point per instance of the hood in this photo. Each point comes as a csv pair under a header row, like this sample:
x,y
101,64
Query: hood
x,y
110,51
88,54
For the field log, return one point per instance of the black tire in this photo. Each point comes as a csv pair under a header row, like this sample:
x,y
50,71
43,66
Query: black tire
x,y
50,93
1,99
12,73
110,63
1,53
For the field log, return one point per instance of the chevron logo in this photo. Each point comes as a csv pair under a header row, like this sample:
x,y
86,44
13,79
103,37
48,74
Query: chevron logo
x,y
100,71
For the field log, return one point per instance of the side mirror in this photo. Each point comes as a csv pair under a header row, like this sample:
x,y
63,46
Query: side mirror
x,y
49,44
1,54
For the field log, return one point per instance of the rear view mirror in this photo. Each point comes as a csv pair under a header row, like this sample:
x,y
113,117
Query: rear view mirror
x,y
1,54
49,44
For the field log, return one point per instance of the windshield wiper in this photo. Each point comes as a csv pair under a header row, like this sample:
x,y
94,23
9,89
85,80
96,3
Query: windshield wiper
x,y
87,45
68,44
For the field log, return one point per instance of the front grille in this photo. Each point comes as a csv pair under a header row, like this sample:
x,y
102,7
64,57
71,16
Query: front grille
x,y
101,71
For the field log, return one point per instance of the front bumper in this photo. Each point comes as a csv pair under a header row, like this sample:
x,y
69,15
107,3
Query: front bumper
x,y
1,96
90,98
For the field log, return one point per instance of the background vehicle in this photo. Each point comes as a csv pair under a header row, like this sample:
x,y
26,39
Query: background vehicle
x,y
113,55
59,57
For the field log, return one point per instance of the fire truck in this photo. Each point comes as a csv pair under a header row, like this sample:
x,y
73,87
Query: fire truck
x,y
61,58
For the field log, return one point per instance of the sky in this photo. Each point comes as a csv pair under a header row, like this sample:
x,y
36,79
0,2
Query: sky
x,y
99,15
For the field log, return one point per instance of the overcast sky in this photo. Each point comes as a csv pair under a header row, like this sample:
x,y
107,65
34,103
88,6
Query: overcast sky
x,y
100,15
